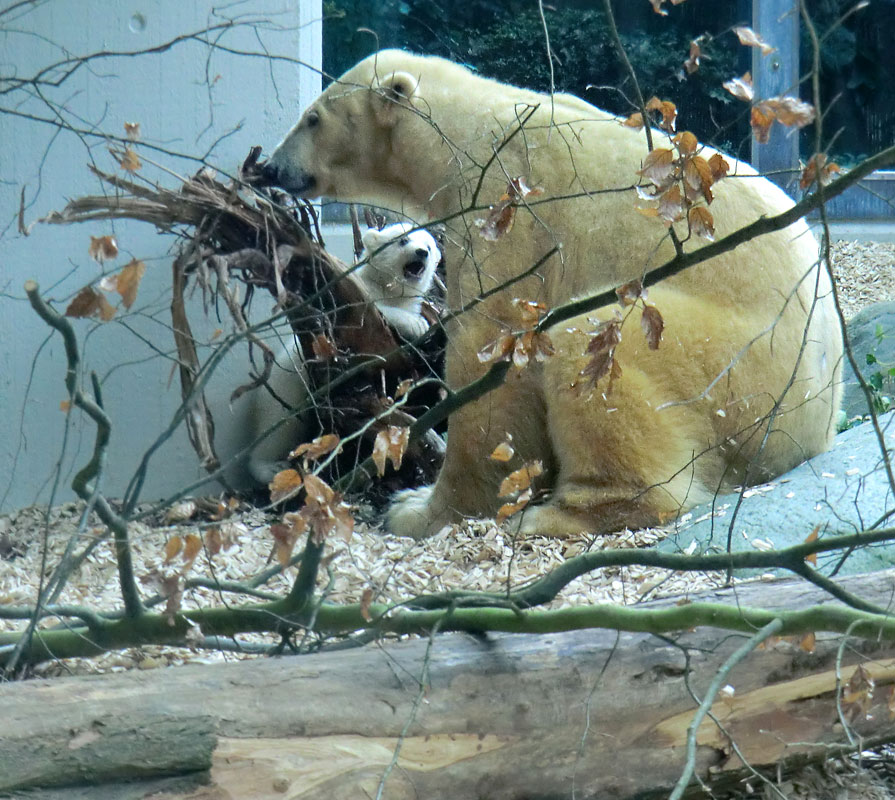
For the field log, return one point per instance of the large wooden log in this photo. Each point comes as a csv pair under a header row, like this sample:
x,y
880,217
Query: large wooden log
x,y
500,717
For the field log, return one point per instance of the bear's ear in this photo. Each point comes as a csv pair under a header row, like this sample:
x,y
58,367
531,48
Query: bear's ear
x,y
371,239
397,89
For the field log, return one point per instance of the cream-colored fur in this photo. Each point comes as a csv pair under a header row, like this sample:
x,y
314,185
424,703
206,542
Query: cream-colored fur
x,y
743,330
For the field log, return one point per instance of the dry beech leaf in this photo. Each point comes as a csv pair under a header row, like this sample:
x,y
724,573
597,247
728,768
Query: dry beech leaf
x,y
129,161
530,312
667,110
602,346
508,509
214,541
818,170
285,536
657,7
180,511
403,387
672,205
192,546
658,166
503,452
365,600
132,130
324,511
498,350
519,480
390,445
102,248
501,216
634,121
324,348
318,447
741,88
172,547
750,38
90,303
686,143
790,111
718,166
629,293
761,118
691,65
698,175
859,689
808,642
128,281
702,223
652,324
811,558
285,484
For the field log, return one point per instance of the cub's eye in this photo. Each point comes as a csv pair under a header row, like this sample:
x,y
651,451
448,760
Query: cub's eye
x,y
313,119
403,241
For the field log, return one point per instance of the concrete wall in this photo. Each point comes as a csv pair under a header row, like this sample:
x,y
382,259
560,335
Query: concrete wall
x,y
193,99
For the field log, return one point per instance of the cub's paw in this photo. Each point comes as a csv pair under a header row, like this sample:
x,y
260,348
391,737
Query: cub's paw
x,y
410,513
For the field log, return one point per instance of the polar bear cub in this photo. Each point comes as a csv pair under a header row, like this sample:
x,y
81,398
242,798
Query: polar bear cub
x,y
399,271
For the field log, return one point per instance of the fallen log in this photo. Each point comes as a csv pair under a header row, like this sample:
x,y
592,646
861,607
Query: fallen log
x,y
499,716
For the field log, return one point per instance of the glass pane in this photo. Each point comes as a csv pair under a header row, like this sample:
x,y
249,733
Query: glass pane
x,y
504,39
857,62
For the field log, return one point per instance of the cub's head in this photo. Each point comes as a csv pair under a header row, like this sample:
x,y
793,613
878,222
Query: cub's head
x,y
400,255
341,146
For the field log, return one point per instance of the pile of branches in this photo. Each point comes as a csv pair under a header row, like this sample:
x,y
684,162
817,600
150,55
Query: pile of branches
x,y
234,233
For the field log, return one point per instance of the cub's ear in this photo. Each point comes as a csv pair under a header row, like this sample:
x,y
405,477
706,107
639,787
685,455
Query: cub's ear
x,y
398,89
371,239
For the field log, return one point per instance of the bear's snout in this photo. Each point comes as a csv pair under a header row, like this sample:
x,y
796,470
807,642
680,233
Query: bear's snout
x,y
270,174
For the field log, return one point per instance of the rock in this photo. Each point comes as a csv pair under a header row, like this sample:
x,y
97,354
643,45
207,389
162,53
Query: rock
x,y
844,490
862,334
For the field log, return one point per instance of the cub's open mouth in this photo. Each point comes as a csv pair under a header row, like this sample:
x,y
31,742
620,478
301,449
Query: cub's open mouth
x,y
414,269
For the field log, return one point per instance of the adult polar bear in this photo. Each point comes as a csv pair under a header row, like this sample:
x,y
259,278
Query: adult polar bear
x,y
742,331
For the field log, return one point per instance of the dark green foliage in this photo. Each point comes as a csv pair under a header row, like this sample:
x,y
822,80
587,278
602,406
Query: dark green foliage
x,y
505,40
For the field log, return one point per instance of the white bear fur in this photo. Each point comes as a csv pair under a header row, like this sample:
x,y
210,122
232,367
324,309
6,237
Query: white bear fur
x,y
399,271
750,327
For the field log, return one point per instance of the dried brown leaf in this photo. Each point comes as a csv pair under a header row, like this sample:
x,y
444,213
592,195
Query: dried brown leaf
x,y
629,293
519,480
652,324
132,130
365,600
658,166
691,65
667,110
127,282
719,166
498,350
741,88
285,484
686,143
702,223
811,558
324,348
390,445
818,170
316,448
761,117
750,38
508,509
192,546
214,541
102,248
504,451
634,121
172,547
180,511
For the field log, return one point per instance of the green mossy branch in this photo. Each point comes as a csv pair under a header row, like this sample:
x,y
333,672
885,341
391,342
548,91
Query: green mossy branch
x,y
340,620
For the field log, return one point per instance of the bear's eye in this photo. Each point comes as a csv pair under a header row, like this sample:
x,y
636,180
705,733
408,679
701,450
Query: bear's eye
x,y
313,119
403,241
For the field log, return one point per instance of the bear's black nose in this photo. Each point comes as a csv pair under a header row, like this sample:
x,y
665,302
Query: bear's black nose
x,y
421,253
270,174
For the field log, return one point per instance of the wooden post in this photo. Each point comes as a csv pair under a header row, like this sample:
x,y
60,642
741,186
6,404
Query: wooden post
x,y
777,22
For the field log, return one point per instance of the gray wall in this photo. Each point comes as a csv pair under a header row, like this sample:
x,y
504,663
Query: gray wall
x,y
194,100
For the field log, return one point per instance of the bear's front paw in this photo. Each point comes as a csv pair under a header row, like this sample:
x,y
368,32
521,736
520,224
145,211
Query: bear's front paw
x,y
410,513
